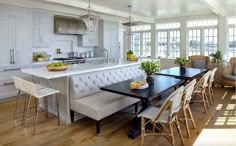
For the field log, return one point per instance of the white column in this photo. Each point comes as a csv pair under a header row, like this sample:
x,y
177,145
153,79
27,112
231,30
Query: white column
x,y
153,40
183,39
223,36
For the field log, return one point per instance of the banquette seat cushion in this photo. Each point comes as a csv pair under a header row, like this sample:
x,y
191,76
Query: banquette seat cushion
x,y
89,100
102,104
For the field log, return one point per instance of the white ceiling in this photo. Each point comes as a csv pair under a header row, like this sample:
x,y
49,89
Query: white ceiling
x,y
155,9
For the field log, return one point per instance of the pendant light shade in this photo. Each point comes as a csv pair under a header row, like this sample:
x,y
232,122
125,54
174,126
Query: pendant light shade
x,y
90,21
129,24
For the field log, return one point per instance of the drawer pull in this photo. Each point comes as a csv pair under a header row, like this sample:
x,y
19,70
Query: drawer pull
x,y
11,69
5,84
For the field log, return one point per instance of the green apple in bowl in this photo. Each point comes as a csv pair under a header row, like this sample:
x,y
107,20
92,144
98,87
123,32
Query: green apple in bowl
x,y
57,66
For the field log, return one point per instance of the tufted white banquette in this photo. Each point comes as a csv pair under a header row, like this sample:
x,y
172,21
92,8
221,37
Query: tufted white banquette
x,y
86,97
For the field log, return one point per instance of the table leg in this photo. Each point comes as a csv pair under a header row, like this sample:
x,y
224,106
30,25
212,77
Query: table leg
x,y
136,130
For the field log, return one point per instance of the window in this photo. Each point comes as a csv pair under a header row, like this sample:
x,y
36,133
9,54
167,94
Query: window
x,y
168,40
175,43
194,41
202,37
210,41
146,44
232,42
232,37
141,40
136,43
162,44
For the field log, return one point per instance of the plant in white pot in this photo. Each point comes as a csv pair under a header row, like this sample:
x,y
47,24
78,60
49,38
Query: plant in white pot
x,y
150,67
40,57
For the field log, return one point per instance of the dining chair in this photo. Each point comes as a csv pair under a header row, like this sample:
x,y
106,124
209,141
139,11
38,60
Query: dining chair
x,y
198,61
210,84
200,91
165,116
229,74
30,89
19,85
187,96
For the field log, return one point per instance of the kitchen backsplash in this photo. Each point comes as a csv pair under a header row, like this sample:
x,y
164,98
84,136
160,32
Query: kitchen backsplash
x,y
66,44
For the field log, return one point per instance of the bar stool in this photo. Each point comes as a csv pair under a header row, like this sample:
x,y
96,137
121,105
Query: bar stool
x,y
19,85
30,88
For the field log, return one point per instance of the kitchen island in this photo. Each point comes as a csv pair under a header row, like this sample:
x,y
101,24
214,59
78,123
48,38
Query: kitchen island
x,y
61,81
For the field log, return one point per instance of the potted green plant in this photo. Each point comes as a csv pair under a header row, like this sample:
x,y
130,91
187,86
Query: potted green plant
x,y
150,67
217,56
129,54
40,57
182,61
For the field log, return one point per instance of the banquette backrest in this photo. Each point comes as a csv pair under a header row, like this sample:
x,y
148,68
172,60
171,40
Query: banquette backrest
x,y
86,84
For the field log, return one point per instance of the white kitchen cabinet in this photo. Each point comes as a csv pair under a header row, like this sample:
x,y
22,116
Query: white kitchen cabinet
x,y
14,11
7,87
21,41
90,39
42,28
15,35
109,38
5,41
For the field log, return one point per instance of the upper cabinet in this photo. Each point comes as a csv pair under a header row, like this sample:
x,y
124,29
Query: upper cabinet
x,y
14,37
89,39
42,29
109,38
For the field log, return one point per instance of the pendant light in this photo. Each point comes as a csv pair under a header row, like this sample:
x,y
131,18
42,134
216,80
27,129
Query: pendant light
x,y
90,21
129,24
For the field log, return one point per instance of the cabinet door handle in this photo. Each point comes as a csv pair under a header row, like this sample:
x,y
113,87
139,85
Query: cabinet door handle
x,y
11,69
12,56
5,84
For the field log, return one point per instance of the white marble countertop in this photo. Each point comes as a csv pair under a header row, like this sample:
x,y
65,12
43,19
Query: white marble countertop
x,y
75,69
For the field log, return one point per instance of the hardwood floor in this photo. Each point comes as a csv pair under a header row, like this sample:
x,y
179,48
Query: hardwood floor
x,y
221,116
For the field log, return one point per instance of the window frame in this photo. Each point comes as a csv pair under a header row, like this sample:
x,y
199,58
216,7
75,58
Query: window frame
x,y
228,27
168,41
141,41
202,35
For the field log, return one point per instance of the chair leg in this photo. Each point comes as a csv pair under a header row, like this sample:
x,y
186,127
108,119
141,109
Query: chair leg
x,y
210,96
191,117
179,131
58,114
186,122
36,118
172,134
35,102
27,110
25,105
204,102
46,106
206,99
17,102
212,93
142,130
98,127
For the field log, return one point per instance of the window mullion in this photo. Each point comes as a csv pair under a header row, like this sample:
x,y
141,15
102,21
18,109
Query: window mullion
x,y
202,35
141,44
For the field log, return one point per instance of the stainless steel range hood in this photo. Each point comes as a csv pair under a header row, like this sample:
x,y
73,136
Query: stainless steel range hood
x,y
69,25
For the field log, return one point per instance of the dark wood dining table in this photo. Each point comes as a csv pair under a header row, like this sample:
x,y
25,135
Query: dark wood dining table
x,y
162,84
182,73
